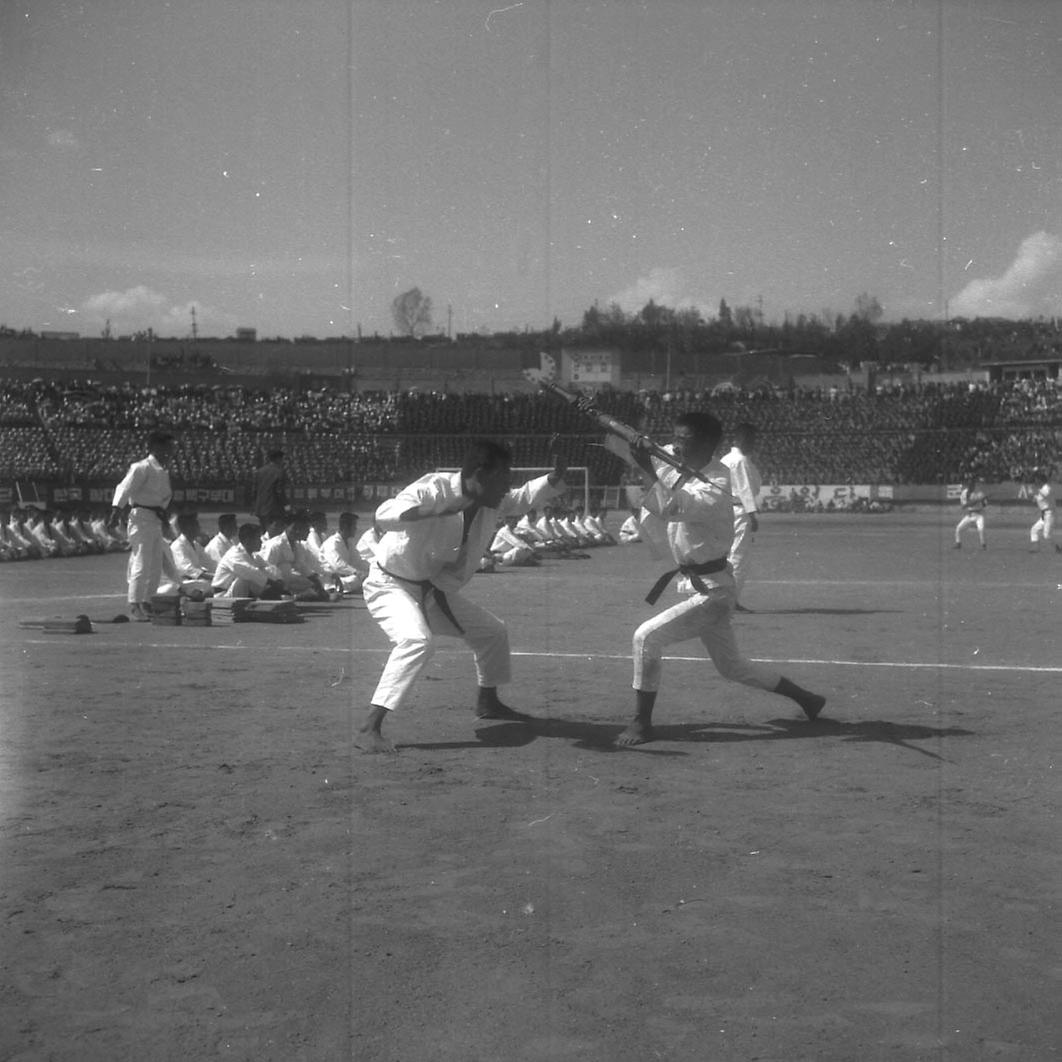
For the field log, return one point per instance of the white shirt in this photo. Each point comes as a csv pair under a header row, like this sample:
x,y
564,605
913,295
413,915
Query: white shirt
x,y
146,483
189,558
506,539
698,518
278,552
239,564
337,559
745,480
218,546
437,548
1043,498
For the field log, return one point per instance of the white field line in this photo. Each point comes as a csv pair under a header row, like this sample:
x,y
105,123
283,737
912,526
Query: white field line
x,y
918,665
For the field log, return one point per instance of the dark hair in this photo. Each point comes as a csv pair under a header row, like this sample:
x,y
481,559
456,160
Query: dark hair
x,y
745,433
348,519
704,426
249,531
186,519
275,455
159,438
485,455
226,520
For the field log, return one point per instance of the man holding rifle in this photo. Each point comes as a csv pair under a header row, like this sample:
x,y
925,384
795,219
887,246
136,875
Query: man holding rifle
x,y
694,504
433,537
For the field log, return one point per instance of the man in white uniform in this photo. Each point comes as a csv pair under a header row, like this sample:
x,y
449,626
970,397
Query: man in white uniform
x,y
745,484
1045,523
242,573
299,567
973,502
146,489
224,540
340,560
699,522
192,568
435,532
508,548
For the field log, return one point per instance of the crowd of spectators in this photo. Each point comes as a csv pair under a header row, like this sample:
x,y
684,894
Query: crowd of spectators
x,y
936,434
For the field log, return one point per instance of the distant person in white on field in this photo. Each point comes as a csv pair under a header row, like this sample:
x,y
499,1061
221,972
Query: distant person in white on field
x,y
745,486
1045,523
973,501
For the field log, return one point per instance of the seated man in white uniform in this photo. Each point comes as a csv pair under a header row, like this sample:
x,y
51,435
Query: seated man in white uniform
x,y
298,565
508,548
242,573
224,540
192,570
339,559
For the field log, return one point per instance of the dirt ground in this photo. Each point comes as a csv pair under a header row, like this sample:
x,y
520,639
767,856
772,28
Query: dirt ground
x,y
195,863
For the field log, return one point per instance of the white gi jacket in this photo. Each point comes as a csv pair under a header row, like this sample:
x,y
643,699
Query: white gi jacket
x,y
436,550
745,480
697,519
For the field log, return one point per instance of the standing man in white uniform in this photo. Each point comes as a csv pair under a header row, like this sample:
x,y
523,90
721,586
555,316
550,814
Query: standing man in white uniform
x,y
745,485
973,502
699,521
435,532
146,488
1045,523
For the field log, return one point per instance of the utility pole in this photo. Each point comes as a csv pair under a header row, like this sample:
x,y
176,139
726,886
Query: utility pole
x,y
449,321
195,327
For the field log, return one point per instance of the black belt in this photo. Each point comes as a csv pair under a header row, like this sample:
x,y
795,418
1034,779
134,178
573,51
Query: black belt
x,y
427,587
158,510
692,571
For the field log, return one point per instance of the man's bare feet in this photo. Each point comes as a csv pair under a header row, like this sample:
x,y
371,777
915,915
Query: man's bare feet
x,y
489,707
369,737
369,741
638,733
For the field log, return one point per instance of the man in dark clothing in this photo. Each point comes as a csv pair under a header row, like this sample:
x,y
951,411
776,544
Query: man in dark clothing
x,y
271,491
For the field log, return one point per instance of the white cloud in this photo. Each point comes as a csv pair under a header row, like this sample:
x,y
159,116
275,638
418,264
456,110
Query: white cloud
x,y
666,286
141,307
1030,287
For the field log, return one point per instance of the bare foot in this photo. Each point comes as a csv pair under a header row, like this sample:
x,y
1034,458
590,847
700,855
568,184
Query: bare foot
x,y
369,741
638,733
501,711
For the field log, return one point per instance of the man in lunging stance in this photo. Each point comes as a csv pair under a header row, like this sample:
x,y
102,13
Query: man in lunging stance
x,y
699,519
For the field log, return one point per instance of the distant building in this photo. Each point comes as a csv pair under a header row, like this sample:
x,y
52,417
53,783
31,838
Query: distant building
x,y
60,335
247,335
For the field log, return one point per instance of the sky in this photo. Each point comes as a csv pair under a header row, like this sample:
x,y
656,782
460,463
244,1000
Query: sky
x,y
293,166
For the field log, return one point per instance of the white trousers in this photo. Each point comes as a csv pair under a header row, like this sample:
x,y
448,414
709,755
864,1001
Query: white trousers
x,y
515,557
1043,527
703,616
413,632
971,520
146,548
739,552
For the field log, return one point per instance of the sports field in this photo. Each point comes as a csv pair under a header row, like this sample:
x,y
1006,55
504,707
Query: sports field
x,y
195,863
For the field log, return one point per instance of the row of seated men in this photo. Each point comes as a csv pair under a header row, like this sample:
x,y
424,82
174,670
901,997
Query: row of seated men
x,y
32,533
557,532
298,557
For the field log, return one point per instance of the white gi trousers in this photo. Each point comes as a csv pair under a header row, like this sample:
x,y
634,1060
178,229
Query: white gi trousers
x,y
976,520
703,616
413,631
1044,526
146,548
739,552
